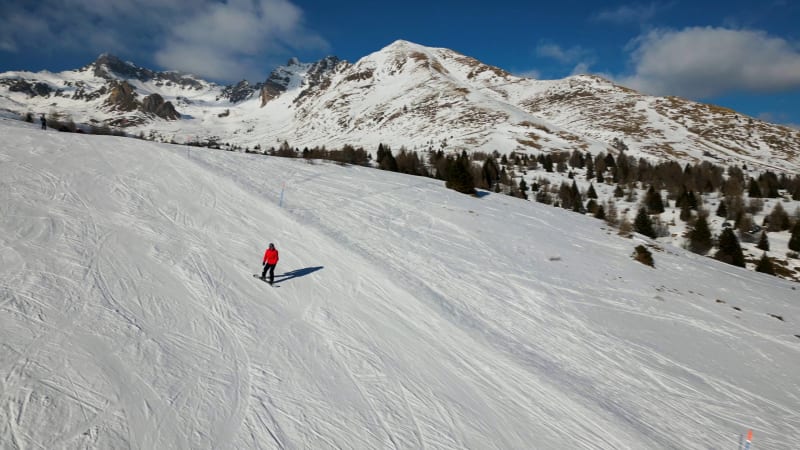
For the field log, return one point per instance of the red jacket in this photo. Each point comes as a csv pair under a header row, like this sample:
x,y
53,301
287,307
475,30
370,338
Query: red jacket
x,y
271,256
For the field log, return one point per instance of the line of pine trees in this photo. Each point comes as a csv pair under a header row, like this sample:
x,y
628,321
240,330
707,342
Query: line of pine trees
x,y
684,187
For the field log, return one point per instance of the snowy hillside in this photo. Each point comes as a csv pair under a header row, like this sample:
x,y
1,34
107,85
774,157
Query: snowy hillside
x,y
402,95
405,315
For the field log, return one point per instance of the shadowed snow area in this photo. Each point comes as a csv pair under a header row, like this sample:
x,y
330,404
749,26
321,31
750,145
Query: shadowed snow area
x,y
405,315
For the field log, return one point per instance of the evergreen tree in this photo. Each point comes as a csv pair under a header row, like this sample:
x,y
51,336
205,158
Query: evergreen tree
x,y
765,265
653,201
700,236
754,190
385,159
589,166
575,193
686,212
763,242
794,241
576,159
618,192
692,199
769,184
729,249
591,206
409,162
548,163
565,195
623,171
459,175
610,161
643,224
600,212
778,219
543,197
722,210
591,192
523,189
490,173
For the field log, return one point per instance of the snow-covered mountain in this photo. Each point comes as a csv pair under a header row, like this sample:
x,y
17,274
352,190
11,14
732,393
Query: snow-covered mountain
x,y
403,95
407,315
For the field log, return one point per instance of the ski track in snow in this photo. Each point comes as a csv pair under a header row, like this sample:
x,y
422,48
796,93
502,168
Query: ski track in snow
x,y
416,318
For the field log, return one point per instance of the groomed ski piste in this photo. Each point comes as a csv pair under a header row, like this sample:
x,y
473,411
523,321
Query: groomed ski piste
x,y
406,315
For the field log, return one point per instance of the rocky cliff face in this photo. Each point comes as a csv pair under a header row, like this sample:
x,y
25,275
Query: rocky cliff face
x,y
123,97
155,104
109,67
31,89
240,91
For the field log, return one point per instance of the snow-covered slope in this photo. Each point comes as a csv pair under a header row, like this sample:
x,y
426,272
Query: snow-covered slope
x,y
406,315
404,95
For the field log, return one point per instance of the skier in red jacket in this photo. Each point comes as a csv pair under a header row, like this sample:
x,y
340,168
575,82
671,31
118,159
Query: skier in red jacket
x,y
269,263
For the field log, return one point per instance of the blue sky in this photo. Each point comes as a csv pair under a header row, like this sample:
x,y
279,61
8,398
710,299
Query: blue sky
x,y
741,54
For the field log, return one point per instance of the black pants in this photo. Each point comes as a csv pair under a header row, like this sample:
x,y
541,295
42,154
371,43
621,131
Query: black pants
x,y
271,268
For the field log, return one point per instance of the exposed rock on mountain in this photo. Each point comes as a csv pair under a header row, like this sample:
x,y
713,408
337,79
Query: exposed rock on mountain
x,y
109,67
239,92
31,89
155,104
122,97
279,80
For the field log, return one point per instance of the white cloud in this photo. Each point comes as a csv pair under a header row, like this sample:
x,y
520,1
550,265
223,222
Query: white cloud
x,y
564,55
532,73
704,62
580,69
217,40
634,13
580,58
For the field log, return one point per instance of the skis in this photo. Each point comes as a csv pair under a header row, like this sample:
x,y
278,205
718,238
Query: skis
x,y
264,280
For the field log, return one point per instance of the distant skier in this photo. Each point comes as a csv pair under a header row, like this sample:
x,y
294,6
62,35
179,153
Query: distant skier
x,y
269,263
44,122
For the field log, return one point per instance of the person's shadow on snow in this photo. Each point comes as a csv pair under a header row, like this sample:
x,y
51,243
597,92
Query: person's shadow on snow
x,y
296,273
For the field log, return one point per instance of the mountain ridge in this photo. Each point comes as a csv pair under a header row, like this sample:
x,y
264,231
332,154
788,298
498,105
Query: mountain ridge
x,y
414,96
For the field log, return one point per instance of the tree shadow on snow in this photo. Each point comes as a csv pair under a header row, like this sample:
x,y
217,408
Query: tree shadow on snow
x,y
296,273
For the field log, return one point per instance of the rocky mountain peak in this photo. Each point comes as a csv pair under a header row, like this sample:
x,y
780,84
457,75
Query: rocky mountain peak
x,y
297,74
109,67
240,91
